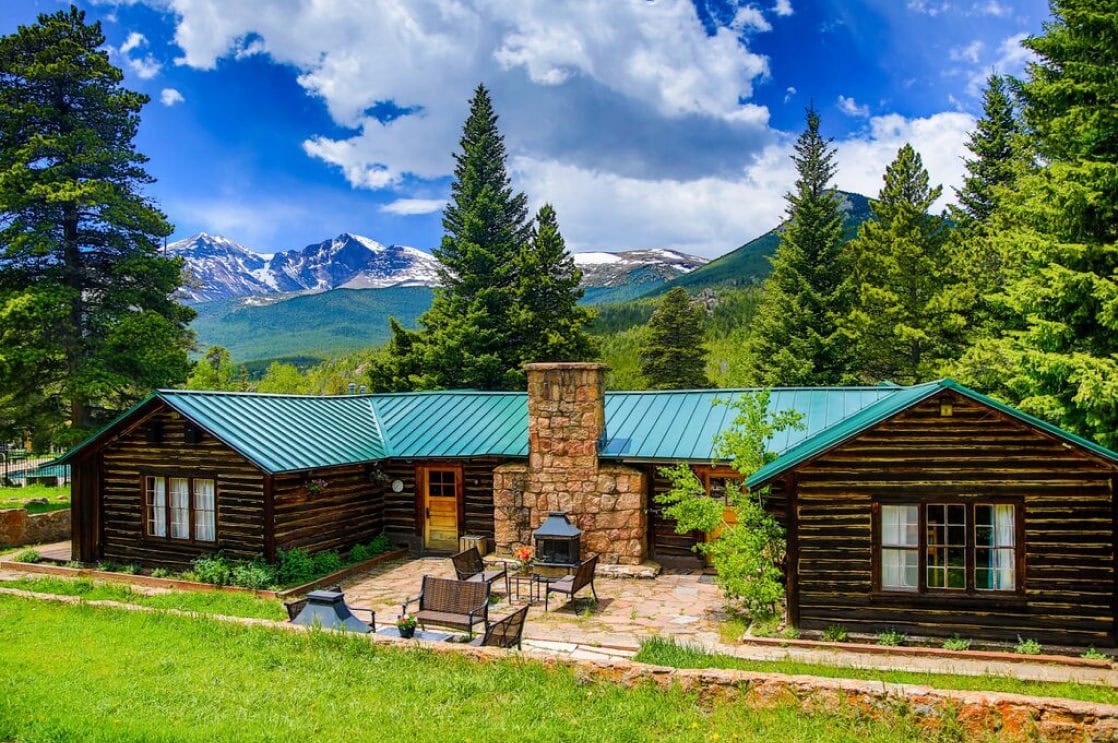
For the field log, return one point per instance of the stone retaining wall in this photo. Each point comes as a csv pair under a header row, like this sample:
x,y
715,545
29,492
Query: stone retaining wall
x,y
18,527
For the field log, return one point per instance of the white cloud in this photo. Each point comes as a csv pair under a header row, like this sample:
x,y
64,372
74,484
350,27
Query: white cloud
x,y
170,96
1010,60
134,41
750,18
146,67
409,207
992,7
789,93
783,7
969,53
929,7
850,107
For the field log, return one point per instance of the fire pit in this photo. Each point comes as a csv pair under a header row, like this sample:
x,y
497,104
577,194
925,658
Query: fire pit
x,y
557,542
328,610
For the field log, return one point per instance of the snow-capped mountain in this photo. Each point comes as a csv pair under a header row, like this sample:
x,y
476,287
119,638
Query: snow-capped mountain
x,y
601,269
218,268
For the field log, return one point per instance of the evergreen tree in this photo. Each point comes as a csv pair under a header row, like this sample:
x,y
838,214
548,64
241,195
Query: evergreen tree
x,y
470,333
996,147
1057,355
905,322
795,339
551,324
998,158
674,356
87,319
396,368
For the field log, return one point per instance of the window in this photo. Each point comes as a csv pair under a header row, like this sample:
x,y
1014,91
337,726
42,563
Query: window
x,y
900,547
441,484
180,508
948,547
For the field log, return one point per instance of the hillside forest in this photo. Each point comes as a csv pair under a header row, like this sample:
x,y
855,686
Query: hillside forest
x,y
1013,289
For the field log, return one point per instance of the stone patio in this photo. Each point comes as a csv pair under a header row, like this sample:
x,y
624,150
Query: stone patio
x,y
679,605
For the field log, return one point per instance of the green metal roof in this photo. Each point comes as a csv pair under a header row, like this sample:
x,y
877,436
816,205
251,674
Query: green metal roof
x,y
282,433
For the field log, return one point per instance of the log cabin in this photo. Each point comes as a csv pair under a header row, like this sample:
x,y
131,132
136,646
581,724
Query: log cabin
x,y
929,509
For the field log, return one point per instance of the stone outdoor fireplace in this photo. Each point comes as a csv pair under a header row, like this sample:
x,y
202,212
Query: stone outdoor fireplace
x,y
566,423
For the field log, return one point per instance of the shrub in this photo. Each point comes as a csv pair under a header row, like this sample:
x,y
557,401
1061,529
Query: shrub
x,y
28,556
162,573
327,562
890,638
836,633
956,643
1027,647
130,569
74,564
790,633
1092,654
255,574
295,566
215,569
377,546
108,566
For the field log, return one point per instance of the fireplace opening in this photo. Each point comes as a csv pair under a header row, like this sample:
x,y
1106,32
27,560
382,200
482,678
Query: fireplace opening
x,y
558,541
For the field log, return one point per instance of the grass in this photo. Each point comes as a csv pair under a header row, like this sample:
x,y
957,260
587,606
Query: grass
x,y
666,652
206,602
161,677
18,497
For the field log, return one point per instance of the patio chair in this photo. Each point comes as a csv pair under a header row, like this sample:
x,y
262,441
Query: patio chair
x,y
469,566
505,632
572,584
459,604
295,607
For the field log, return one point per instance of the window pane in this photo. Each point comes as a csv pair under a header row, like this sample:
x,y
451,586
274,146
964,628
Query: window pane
x,y
157,506
204,528
900,526
947,546
899,569
994,554
180,507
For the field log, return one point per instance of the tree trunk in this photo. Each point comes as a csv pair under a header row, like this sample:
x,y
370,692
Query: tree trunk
x,y
72,336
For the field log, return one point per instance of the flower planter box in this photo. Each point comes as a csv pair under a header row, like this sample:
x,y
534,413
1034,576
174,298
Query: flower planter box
x,y
901,650
189,585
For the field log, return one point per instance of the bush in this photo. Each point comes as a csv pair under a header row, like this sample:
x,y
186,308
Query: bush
x,y
890,638
379,545
327,562
1027,647
790,633
836,633
956,643
295,566
28,556
214,569
1092,654
256,574
108,566
162,573
130,569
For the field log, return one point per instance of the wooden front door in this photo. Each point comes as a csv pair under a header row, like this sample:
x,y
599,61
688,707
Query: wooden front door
x,y
442,487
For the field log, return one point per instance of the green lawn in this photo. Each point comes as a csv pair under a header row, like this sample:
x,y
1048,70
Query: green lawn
x,y
93,674
18,497
668,653
233,604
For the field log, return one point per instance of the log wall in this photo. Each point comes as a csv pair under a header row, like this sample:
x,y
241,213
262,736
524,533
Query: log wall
x,y
348,511
124,461
1068,584
401,510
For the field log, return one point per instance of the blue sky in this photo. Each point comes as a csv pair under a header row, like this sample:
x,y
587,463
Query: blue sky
x,y
648,123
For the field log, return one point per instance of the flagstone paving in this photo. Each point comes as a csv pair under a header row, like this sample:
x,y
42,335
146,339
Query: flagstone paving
x,y
628,608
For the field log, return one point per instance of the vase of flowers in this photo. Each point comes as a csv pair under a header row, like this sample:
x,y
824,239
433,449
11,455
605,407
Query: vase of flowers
x,y
405,625
523,557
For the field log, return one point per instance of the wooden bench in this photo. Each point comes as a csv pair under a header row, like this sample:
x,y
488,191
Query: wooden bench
x,y
451,603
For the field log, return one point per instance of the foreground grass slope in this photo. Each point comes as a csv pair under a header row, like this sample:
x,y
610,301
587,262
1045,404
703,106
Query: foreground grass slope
x,y
141,676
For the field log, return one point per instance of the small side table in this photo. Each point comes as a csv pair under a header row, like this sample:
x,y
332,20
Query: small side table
x,y
420,634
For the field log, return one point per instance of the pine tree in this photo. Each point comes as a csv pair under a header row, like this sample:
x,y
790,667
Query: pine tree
x,y
216,371
998,159
551,324
469,337
1057,355
674,356
87,319
904,322
795,339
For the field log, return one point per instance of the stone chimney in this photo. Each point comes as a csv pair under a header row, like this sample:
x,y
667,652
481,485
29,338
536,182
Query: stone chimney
x,y
566,425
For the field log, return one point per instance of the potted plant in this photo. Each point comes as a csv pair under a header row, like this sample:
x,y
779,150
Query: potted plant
x,y
523,557
405,625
